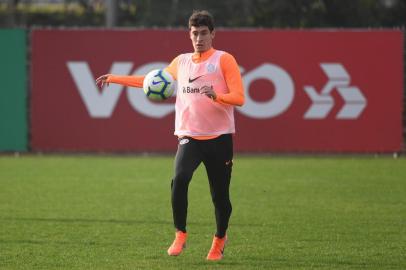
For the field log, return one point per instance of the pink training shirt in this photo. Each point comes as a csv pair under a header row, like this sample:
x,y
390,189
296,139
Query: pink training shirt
x,y
234,96
196,114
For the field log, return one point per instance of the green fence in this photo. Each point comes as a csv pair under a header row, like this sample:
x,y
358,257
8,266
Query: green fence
x,y
13,90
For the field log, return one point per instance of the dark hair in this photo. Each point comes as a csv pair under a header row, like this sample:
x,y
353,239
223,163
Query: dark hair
x,y
201,18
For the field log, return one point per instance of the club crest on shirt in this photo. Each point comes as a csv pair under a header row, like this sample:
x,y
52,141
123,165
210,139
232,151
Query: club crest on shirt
x,y
210,68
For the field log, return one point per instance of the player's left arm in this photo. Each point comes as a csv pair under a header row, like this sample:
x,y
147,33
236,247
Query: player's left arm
x,y
173,67
232,76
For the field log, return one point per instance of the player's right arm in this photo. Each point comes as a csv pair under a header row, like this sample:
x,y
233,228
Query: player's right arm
x,y
133,80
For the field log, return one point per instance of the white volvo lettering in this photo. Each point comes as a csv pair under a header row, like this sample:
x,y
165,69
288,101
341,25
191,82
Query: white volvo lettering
x,y
284,92
98,104
101,104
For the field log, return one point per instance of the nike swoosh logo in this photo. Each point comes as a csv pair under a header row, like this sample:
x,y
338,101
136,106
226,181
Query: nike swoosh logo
x,y
192,80
154,82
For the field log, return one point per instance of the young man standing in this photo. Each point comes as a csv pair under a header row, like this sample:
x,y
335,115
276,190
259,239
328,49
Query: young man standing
x,y
204,124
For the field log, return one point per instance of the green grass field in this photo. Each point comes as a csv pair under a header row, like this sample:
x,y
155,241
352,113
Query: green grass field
x,y
112,212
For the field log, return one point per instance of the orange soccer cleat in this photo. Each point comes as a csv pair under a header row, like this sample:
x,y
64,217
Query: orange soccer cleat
x,y
178,244
217,248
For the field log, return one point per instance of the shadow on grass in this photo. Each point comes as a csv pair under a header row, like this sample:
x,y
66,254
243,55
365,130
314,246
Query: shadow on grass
x,y
48,242
85,220
127,222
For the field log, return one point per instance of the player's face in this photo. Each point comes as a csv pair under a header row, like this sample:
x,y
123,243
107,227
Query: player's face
x,y
201,38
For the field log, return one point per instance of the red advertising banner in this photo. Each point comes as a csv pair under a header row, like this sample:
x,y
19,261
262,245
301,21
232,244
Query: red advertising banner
x,y
306,91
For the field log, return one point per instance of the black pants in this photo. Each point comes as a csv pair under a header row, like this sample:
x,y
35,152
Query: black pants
x,y
217,155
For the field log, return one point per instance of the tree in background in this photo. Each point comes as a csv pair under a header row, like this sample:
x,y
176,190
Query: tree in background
x,y
235,13
329,13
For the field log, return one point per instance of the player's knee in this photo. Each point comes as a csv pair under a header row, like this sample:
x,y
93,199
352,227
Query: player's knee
x,y
182,177
221,200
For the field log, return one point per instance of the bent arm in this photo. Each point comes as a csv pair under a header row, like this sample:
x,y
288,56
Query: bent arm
x,y
233,79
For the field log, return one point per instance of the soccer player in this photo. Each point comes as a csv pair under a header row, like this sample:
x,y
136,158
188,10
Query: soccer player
x,y
209,86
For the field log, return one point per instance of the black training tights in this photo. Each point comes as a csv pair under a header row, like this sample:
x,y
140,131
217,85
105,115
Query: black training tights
x,y
217,155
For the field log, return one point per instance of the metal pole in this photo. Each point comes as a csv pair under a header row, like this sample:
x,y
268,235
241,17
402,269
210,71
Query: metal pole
x,y
10,19
111,13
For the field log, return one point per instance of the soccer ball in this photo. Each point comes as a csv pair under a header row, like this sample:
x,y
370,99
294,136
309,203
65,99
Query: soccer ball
x,y
158,84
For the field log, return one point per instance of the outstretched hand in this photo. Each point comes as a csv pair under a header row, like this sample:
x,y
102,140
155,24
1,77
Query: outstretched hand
x,y
102,80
